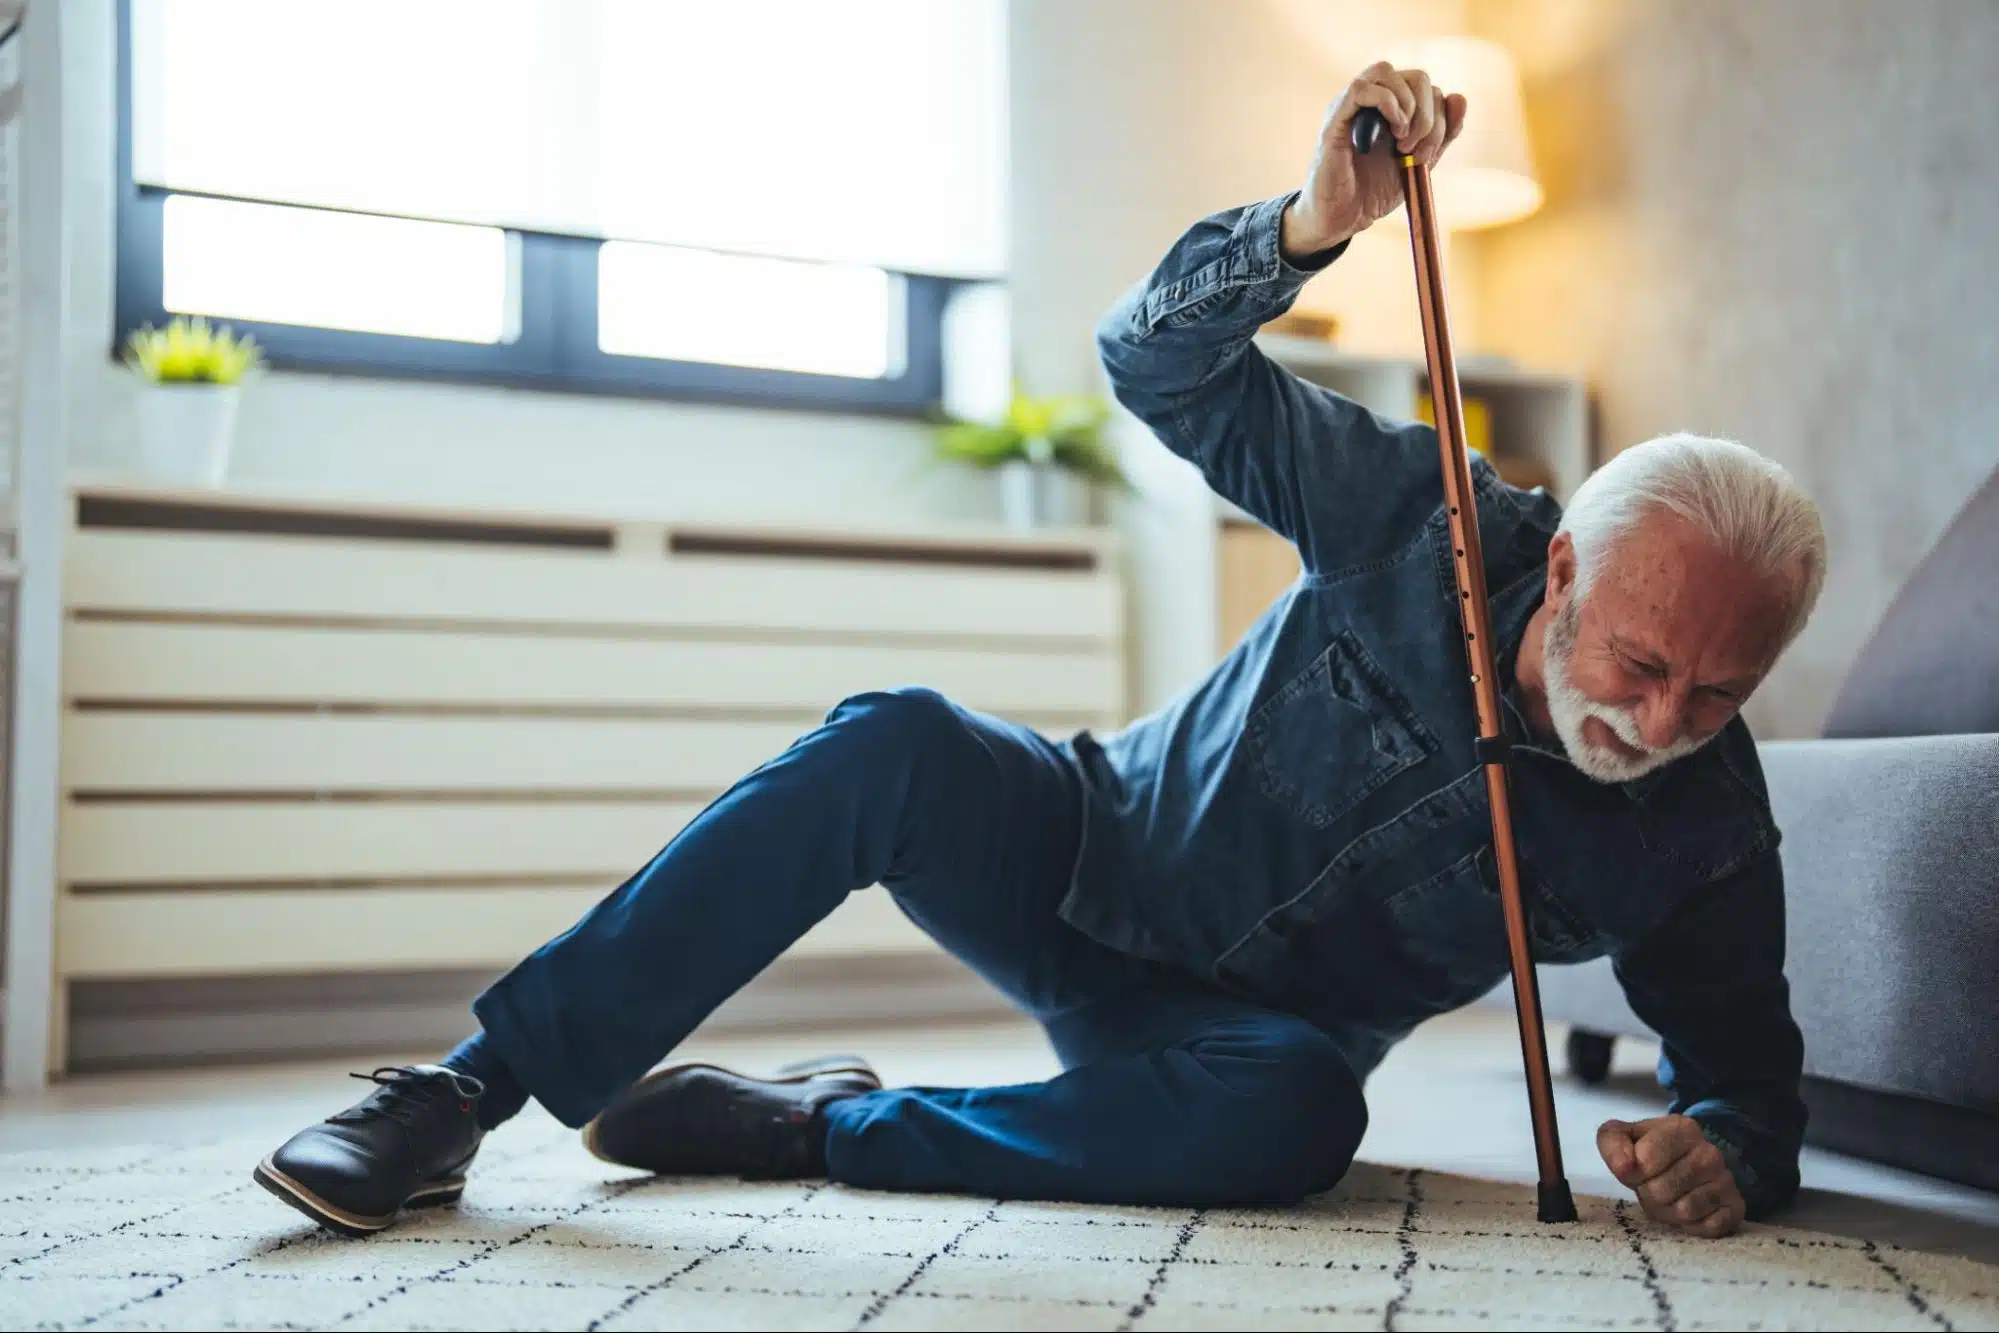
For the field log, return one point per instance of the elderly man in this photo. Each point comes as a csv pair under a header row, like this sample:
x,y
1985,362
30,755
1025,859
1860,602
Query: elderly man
x,y
1227,913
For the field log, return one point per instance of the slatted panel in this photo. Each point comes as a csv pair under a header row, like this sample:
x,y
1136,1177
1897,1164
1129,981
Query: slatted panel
x,y
247,931
192,843
227,753
242,575
324,664
199,752
314,738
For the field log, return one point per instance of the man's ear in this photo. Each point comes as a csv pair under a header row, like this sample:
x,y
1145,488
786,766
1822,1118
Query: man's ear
x,y
1561,571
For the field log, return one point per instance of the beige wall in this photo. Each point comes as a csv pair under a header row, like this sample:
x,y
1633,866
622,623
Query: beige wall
x,y
1131,120
1776,221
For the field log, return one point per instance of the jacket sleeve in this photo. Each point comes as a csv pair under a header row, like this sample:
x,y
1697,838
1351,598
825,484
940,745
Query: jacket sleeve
x,y
1711,984
1345,486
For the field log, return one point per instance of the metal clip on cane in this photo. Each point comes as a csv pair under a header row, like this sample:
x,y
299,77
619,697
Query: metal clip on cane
x,y
1556,1203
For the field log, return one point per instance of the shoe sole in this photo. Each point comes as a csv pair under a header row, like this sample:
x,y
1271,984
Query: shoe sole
x,y
799,1071
431,1194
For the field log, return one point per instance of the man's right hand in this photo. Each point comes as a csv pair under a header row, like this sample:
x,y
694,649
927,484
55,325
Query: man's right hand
x,y
1344,194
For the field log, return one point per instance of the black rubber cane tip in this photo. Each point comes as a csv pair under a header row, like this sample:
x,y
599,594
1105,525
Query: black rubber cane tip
x,y
1369,125
1557,1204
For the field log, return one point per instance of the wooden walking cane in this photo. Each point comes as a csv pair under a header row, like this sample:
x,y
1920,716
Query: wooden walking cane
x,y
1556,1203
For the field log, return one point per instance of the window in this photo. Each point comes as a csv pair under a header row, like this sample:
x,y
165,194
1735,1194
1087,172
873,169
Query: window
x,y
767,200
679,304
267,262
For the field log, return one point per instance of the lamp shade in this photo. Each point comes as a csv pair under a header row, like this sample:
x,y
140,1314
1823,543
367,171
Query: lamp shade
x,y
1487,177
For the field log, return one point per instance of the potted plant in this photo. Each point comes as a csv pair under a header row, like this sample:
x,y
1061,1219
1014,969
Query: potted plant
x,y
187,408
1048,453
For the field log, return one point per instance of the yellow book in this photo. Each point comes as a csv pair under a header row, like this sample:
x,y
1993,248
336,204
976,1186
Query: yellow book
x,y
1478,421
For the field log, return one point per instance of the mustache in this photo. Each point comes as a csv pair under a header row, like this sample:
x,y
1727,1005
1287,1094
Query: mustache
x,y
1620,721
1571,708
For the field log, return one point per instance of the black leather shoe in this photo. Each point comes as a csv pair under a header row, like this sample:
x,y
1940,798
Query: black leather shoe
x,y
703,1120
404,1145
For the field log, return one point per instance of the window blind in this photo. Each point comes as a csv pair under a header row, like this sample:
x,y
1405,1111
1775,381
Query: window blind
x,y
867,132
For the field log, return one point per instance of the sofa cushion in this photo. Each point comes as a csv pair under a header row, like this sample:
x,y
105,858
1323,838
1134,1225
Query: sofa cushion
x,y
1891,886
1932,666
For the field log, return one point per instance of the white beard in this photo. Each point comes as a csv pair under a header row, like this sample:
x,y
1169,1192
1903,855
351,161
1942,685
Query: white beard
x,y
1569,708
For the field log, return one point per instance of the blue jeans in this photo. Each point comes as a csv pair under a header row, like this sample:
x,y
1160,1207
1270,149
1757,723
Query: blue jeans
x,y
1173,1091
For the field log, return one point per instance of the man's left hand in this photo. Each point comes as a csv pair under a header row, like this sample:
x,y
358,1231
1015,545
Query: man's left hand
x,y
1679,1177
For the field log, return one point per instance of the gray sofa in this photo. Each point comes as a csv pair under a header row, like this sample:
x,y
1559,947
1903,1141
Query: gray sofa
x,y
1891,867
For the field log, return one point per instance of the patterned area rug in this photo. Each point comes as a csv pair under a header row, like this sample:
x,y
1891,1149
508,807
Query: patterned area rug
x,y
173,1237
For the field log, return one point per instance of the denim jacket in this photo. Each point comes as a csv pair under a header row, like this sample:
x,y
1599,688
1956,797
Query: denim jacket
x,y
1308,826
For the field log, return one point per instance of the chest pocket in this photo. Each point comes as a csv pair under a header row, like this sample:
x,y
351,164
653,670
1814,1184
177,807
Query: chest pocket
x,y
1334,734
1451,929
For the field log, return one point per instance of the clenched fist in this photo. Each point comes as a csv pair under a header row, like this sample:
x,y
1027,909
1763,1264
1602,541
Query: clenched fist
x,y
1344,194
1679,1177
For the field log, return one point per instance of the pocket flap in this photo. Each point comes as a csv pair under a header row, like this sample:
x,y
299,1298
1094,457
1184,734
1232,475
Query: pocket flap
x,y
1335,733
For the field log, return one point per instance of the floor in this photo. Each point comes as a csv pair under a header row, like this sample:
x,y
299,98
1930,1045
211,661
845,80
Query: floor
x,y
1450,1099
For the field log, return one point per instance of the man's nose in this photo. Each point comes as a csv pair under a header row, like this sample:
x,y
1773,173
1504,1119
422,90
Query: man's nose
x,y
1662,719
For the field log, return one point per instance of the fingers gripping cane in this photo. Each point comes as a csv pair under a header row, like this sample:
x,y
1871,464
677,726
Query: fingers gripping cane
x,y
1556,1203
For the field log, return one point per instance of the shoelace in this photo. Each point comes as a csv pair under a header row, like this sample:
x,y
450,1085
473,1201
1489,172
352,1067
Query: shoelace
x,y
404,1091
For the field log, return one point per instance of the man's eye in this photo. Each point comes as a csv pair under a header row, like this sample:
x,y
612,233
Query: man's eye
x,y
1652,669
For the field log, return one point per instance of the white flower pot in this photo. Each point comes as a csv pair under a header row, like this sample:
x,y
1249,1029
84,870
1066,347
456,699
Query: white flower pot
x,y
1041,495
185,431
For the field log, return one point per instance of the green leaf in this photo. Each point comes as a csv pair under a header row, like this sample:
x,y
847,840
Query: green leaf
x,y
978,444
1064,429
191,352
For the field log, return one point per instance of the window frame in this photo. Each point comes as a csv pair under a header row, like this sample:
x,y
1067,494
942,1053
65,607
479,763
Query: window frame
x,y
556,349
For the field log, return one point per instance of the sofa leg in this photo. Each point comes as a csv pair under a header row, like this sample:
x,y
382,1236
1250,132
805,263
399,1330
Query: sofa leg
x,y
1589,1054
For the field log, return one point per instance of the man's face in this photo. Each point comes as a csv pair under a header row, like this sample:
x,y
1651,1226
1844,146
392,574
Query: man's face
x,y
1664,648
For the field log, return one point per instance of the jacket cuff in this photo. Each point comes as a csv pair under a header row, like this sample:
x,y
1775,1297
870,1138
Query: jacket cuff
x,y
1260,231
1754,1196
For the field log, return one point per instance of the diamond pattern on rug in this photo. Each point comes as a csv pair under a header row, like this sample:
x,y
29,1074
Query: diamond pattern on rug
x,y
177,1237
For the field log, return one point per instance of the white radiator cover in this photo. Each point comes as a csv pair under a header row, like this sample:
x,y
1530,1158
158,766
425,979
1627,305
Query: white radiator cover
x,y
307,738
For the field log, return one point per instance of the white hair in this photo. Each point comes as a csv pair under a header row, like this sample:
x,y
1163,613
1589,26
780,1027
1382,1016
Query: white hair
x,y
1752,508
